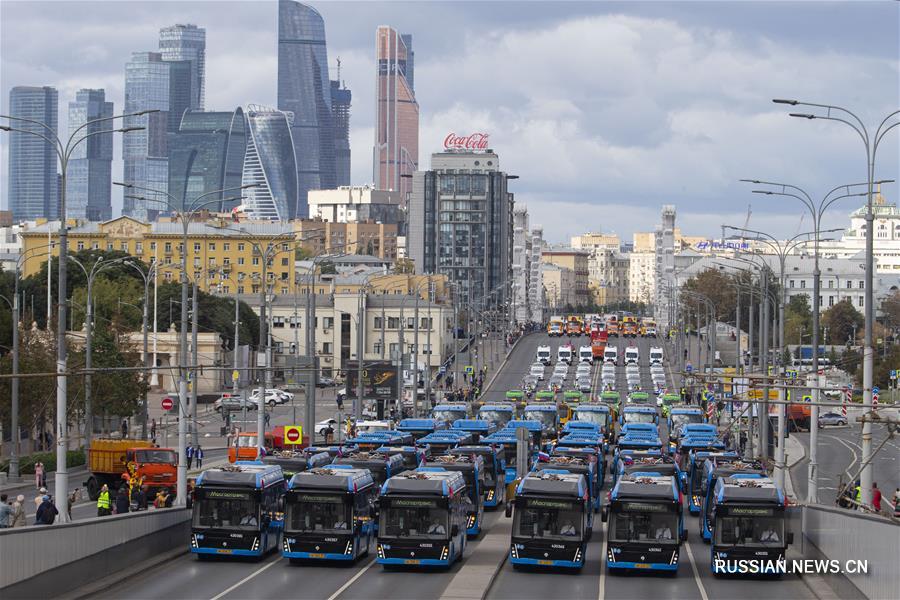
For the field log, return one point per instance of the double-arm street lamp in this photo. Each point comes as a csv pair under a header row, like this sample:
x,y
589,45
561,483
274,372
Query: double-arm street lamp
x,y
148,276
871,143
63,154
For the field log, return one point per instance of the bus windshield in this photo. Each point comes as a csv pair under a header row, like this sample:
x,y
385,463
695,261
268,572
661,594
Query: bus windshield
x,y
412,518
643,522
500,417
684,419
246,441
547,519
156,456
546,417
592,416
639,417
449,415
226,509
750,530
317,512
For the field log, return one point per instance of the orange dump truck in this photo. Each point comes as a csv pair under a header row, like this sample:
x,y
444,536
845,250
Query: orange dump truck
x,y
109,460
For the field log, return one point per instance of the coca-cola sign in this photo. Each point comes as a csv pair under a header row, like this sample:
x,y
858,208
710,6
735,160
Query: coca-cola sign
x,y
473,141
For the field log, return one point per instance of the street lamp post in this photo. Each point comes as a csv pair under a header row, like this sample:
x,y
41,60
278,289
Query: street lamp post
x,y
148,277
871,144
64,153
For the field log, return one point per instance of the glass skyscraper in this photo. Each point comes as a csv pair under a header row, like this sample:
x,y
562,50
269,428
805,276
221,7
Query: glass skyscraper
x,y
304,89
187,42
207,154
33,183
396,112
340,110
270,163
89,179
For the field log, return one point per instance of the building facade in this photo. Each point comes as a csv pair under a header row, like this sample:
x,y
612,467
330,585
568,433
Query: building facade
x,y
886,247
536,281
521,267
33,191
396,152
461,222
369,238
269,164
187,43
665,264
577,262
207,154
608,274
89,179
596,241
355,204
559,287
304,89
340,111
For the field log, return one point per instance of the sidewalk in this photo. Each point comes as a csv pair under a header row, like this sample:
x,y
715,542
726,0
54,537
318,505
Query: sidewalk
x,y
479,569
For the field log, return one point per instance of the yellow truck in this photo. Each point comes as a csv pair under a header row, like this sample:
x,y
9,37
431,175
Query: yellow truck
x,y
113,462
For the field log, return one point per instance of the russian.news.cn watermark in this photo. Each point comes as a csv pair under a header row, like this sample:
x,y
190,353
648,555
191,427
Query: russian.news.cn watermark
x,y
781,566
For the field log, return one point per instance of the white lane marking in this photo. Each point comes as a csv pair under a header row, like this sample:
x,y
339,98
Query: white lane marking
x,y
855,455
275,561
352,579
601,588
696,572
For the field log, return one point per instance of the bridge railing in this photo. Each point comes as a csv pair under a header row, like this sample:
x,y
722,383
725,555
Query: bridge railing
x,y
838,534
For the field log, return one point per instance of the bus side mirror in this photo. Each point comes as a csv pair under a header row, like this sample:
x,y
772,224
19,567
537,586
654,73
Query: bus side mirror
x,y
604,514
454,530
509,509
790,538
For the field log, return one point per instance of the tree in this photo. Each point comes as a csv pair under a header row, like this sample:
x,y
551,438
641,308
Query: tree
x,y
326,267
216,314
717,286
890,307
797,319
842,320
405,266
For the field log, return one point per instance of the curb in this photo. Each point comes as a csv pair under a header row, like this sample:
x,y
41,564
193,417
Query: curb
x,y
111,581
504,361
494,575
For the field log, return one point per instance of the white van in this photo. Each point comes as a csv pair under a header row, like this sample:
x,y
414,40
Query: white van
x,y
585,355
564,354
611,355
656,355
543,355
632,355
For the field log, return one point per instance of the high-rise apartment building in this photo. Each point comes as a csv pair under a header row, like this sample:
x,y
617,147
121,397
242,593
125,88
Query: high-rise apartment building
x,y
144,152
461,222
187,42
269,162
89,178
521,265
577,262
396,150
207,154
33,183
304,89
340,111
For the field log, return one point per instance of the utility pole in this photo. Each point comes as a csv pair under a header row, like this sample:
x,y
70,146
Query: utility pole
x,y
195,310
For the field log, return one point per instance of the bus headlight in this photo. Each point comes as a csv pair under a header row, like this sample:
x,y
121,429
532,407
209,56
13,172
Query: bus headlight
x,y
490,495
444,553
514,552
578,555
471,521
609,555
255,544
286,545
380,551
674,560
194,541
349,547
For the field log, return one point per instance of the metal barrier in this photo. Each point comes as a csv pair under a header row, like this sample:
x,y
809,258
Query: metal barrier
x,y
93,543
838,534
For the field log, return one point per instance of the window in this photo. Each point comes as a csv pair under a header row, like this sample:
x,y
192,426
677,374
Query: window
x,y
376,348
226,247
212,247
80,245
181,247
152,245
830,300
284,276
426,348
212,261
849,284
254,289
393,323
123,246
284,261
168,247
328,322
255,261
803,283
379,323
196,246
226,289
240,260
792,283
167,276
278,322
240,247
830,283
240,289
226,261
410,322
109,246
279,347
294,322
426,323
861,299
862,284
394,349
139,247
326,348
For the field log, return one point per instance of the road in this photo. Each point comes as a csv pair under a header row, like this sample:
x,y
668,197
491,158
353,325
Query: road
x,y
273,577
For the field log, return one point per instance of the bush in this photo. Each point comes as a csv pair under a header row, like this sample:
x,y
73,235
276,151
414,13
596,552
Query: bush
x,y
74,458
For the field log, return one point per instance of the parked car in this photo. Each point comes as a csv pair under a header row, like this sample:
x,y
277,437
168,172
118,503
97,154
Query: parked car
x,y
322,426
831,418
326,382
229,403
273,397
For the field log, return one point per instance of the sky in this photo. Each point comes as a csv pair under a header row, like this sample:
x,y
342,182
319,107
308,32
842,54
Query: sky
x,y
605,110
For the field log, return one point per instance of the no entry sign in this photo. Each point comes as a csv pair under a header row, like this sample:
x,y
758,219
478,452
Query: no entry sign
x,y
293,434
167,403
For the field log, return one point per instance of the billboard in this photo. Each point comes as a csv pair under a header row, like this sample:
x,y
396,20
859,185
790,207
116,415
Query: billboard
x,y
379,380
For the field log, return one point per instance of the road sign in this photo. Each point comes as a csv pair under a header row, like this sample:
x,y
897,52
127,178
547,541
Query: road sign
x,y
689,367
875,391
470,370
167,403
235,375
293,434
442,369
893,374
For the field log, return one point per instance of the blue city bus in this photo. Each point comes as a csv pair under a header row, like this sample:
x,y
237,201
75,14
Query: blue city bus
x,y
412,455
715,469
370,440
646,524
505,440
695,441
472,468
329,514
544,413
598,414
292,463
748,524
419,428
477,427
445,441
694,475
535,428
637,413
450,412
498,413
422,519
494,471
590,440
585,465
551,522
332,451
583,450
237,510
573,426
381,466
679,416
647,461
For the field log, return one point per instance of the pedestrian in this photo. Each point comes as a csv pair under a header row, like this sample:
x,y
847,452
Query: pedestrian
x,y
46,512
74,497
743,441
266,418
153,429
17,518
189,453
198,454
40,497
124,428
141,498
339,400
38,474
5,511
876,497
857,494
727,438
329,434
897,502
163,499
122,501
104,507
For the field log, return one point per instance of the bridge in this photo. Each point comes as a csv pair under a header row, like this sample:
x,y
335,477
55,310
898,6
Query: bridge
x,y
145,555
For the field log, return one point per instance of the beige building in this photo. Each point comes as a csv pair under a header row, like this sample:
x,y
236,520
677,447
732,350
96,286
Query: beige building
x,y
642,276
559,286
596,241
577,262
369,237
609,276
